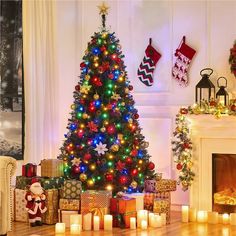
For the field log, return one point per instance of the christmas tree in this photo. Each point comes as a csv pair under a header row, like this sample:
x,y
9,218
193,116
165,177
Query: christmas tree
x,y
104,147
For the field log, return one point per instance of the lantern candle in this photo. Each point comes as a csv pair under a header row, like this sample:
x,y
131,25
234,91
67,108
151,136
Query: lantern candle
x,y
132,223
184,214
75,229
150,219
107,222
142,215
60,228
76,219
192,214
96,223
225,219
233,219
212,217
143,224
87,221
157,221
201,216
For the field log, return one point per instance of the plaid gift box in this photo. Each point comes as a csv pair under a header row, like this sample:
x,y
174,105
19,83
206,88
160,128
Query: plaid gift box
x,y
29,170
53,182
19,205
51,215
69,204
149,199
23,182
64,216
165,185
122,209
162,206
52,168
71,189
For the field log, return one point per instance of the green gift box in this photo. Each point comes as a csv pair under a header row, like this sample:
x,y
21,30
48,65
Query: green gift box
x,y
53,182
71,189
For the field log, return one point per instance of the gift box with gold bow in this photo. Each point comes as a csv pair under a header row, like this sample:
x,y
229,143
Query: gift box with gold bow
x,y
122,208
162,206
149,199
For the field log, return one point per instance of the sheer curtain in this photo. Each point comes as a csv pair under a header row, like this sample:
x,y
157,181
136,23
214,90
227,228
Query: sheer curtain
x,y
41,80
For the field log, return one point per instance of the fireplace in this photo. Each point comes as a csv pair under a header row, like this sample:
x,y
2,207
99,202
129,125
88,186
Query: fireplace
x,y
210,136
223,182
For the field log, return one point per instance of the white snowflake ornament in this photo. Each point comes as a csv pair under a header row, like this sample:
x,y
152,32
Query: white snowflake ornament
x,y
76,161
101,148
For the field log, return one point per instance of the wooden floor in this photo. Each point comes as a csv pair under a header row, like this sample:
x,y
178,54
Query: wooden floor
x,y
176,228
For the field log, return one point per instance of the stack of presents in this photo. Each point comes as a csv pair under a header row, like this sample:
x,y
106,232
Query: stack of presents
x,y
65,197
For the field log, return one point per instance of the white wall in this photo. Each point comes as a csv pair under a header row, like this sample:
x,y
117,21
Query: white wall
x,y
209,28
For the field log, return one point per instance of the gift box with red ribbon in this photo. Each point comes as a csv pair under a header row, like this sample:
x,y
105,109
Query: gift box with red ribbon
x,y
29,170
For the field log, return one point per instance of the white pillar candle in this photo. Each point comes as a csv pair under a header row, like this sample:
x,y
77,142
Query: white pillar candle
x,y
225,219
157,221
201,216
75,229
87,221
96,223
132,222
192,214
144,224
76,219
150,219
233,218
212,217
107,222
185,210
60,228
142,215
163,218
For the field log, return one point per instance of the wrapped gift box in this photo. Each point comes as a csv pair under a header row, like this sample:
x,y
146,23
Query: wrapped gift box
x,y
29,170
162,185
20,212
122,209
51,183
71,189
139,199
96,202
51,215
52,168
149,199
23,182
64,216
162,206
69,204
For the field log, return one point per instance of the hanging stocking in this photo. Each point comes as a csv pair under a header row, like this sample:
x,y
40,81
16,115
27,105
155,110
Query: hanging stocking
x,y
184,56
147,66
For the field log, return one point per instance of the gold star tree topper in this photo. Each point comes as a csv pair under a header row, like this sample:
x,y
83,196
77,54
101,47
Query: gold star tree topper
x,y
103,9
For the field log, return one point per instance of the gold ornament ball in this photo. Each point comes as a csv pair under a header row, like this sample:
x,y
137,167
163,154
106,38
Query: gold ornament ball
x,y
90,182
72,106
134,184
103,129
123,104
96,96
83,177
87,77
115,148
85,116
126,90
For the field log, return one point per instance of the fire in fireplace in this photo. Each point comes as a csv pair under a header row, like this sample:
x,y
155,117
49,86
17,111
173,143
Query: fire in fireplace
x,y
224,183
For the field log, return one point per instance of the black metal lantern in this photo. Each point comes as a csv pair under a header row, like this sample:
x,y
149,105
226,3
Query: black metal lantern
x,y
205,89
222,94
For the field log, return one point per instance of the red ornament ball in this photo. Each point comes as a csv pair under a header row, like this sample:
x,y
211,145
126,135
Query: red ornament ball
x,y
134,172
128,160
134,153
183,111
77,87
179,166
151,165
75,169
82,101
123,179
130,87
82,65
212,103
109,177
102,48
111,129
136,116
186,145
87,156
233,107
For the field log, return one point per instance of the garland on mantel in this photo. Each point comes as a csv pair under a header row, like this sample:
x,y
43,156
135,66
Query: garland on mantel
x,y
182,144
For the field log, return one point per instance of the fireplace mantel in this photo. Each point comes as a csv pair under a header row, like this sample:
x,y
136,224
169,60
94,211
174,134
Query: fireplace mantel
x,y
209,135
